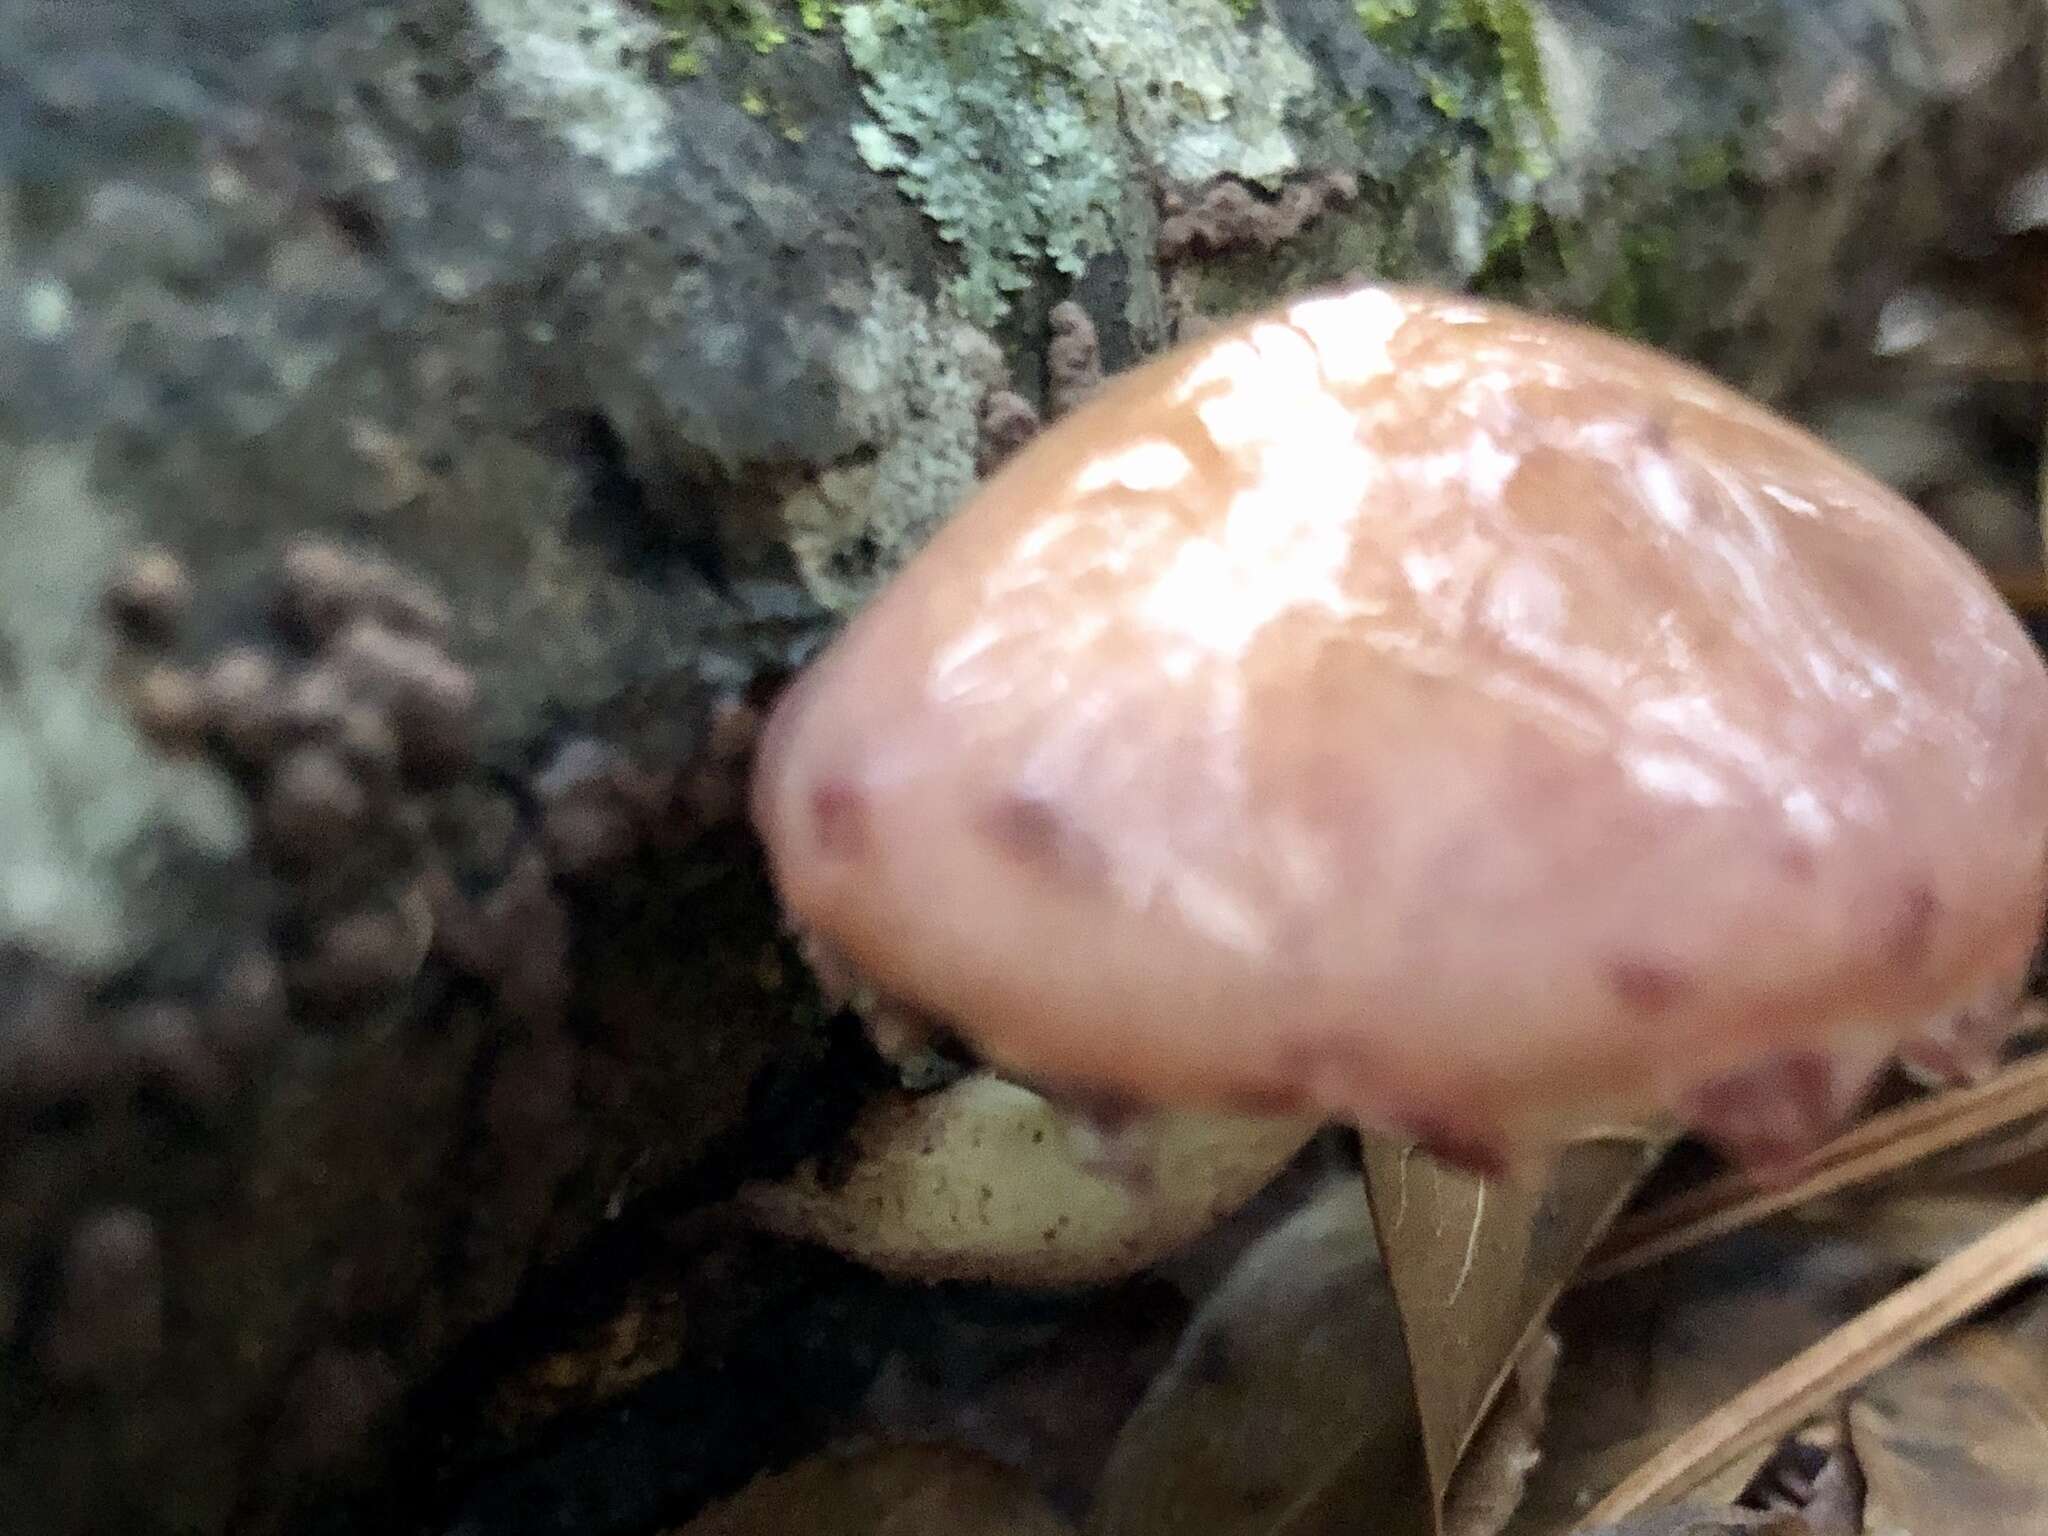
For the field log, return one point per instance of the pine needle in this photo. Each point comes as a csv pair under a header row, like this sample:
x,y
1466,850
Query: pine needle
x,y
1880,1146
1858,1350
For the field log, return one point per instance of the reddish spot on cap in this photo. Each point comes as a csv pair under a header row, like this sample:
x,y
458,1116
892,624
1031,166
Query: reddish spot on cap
x,y
1768,1115
1799,864
1910,933
1647,987
839,817
1035,833
1461,1149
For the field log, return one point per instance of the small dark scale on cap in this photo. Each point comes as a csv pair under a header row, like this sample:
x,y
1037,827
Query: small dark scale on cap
x,y
1264,1101
1769,1114
839,819
1647,986
1033,831
1477,1155
1798,863
1910,930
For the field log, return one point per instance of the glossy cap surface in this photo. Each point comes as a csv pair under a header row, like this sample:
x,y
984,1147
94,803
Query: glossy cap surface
x,y
1413,708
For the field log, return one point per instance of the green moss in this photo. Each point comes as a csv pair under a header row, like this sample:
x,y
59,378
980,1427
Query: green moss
x,y
744,35
1516,151
1513,29
1480,173
962,13
1647,246
1457,143
1477,65
1511,232
1380,18
1702,167
1640,299
695,25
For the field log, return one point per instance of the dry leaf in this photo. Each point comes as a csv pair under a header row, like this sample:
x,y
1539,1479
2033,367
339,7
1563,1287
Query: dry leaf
x,y
1494,1474
1868,1343
1956,1439
1933,1210
1822,1484
986,1180
1698,1520
1701,1520
1650,1354
1475,1267
1803,1489
602,1360
1915,1231
1285,1411
1282,1408
904,1490
1052,1398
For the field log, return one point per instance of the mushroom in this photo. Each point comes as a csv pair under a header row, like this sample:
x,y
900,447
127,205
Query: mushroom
x,y
1409,709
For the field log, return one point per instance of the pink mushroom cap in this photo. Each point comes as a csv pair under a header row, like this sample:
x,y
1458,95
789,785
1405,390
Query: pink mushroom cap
x,y
1463,721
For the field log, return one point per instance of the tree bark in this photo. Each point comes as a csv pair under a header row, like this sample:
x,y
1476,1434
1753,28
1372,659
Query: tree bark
x,y
429,431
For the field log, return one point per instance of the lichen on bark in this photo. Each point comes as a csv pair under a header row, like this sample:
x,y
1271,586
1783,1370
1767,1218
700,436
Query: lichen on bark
x,y
1014,126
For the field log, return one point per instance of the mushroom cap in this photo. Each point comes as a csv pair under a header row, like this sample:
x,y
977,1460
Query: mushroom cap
x,y
1408,707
